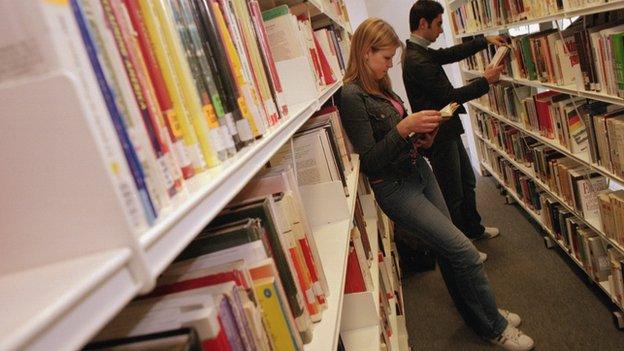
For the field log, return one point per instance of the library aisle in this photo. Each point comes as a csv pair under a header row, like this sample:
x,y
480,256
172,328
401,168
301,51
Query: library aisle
x,y
544,286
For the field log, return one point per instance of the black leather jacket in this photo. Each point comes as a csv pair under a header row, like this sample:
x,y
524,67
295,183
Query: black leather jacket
x,y
370,123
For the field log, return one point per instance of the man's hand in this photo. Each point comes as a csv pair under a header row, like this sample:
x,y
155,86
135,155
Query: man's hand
x,y
497,40
492,74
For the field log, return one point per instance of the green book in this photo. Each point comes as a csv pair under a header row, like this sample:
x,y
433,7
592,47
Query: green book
x,y
527,58
617,47
275,12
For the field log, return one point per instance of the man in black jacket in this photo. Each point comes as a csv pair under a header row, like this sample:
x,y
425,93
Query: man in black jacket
x,y
428,88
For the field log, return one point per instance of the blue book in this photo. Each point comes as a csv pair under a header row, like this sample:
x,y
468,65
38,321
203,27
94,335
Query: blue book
x,y
109,97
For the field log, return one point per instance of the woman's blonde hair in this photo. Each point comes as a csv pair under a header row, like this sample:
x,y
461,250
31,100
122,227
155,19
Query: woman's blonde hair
x,y
376,34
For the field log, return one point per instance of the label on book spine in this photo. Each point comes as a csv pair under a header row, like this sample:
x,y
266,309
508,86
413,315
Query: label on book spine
x,y
244,130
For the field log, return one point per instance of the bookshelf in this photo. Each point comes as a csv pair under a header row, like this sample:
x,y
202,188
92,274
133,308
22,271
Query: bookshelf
x,y
485,147
572,90
218,186
586,10
331,234
604,286
70,261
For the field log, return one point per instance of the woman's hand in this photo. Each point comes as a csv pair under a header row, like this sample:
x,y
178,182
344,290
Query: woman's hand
x,y
420,122
427,139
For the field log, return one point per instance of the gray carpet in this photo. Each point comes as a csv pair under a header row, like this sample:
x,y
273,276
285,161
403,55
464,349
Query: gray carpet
x,y
559,307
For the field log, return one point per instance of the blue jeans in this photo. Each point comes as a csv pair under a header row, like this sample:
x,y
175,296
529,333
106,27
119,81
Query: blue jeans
x,y
416,204
453,171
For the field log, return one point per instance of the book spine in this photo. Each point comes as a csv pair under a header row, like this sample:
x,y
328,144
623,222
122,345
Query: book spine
x,y
99,120
267,56
109,98
240,123
180,120
209,76
247,101
199,81
175,140
135,68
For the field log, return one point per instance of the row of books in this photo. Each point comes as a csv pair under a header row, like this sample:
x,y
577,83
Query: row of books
x,y
555,116
587,55
576,184
252,279
476,15
180,86
599,259
587,128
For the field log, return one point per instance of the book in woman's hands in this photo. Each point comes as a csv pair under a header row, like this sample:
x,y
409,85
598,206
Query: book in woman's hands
x,y
448,111
445,114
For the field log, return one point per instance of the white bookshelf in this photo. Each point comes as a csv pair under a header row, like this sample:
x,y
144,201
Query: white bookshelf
x,y
85,291
567,89
604,285
567,13
69,261
596,227
331,228
216,187
361,322
360,328
582,158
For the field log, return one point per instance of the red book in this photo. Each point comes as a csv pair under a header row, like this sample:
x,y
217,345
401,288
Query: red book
x,y
328,75
355,281
218,342
157,81
542,107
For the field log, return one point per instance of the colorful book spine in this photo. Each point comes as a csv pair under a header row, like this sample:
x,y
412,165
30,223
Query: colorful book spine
x,y
247,100
182,124
119,23
115,115
277,326
161,91
206,75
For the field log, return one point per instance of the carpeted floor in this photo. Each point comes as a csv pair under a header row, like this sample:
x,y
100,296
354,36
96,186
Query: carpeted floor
x,y
560,308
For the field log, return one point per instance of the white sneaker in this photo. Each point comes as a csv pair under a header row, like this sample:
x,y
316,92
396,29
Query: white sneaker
x,y
482,257
490,232
513,339
513,319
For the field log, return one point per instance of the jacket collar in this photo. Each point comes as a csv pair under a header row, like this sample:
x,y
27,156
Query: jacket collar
x,y
410,45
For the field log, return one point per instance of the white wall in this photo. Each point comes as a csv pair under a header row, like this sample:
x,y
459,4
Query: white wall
x,y
396,12
357,12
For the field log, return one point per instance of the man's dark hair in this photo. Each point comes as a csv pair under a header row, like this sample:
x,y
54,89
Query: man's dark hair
x,y
427,9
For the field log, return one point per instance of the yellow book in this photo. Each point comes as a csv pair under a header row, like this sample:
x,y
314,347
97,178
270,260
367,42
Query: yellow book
x,y
179,119
209,141
277,326
242,14
248,99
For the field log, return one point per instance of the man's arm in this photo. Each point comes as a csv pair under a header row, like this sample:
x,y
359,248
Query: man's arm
x,y
430,77
467,49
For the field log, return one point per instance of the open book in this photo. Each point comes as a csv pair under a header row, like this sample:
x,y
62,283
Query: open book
x,y
445,113
448,111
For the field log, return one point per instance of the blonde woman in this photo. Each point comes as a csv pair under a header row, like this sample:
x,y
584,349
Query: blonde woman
x,y
388,139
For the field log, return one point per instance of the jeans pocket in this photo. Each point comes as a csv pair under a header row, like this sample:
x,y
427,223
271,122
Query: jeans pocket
x,y
386,188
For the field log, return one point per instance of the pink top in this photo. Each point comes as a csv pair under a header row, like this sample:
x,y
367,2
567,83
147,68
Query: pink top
x,y
397,105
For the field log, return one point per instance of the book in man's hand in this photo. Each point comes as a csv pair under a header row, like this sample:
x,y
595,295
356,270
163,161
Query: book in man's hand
x,y
499,56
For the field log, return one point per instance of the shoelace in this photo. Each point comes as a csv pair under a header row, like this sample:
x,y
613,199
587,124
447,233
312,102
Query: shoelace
x,y
512,334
